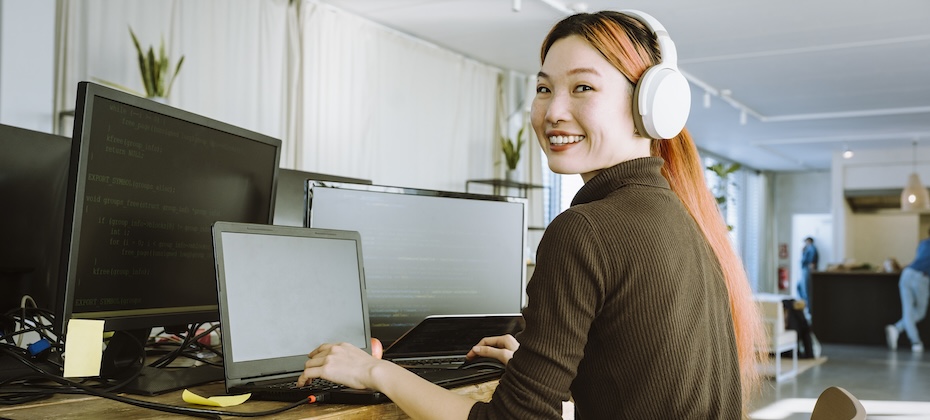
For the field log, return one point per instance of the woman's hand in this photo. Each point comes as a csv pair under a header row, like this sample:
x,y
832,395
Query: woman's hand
x,y
499,347
341,363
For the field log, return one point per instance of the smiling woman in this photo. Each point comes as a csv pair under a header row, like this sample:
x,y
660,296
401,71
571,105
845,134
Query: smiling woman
x,y
642,247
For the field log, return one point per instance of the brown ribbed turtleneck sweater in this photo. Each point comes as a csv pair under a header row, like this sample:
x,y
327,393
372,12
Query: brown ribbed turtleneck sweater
x,y
628,312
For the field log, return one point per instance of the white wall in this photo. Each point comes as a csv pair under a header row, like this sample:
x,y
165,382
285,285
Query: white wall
x,y
855,234
795,193
875,237
27,64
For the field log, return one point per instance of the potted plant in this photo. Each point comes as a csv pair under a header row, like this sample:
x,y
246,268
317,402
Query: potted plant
x,y
719,189
723,172
154,69
512,152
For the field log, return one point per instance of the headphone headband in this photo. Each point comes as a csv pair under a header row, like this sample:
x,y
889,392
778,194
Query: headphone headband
x,y
667,48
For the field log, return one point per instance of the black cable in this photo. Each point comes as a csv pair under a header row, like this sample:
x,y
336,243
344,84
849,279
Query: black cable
x,y
190,411
186,341
138,403
34,317
12,396
189,347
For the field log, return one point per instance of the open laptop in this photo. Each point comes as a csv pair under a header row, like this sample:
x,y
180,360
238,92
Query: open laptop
x,y
435,348
442,341
282,292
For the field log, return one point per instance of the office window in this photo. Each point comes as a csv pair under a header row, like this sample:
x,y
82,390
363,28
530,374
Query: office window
x,y
743,210
754,227
561,189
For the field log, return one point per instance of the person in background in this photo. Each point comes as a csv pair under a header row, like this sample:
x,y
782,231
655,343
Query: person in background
x,y
809,261
639,306
914,285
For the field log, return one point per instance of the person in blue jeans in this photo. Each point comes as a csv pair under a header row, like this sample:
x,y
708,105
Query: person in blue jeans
x,y
809,261
914,285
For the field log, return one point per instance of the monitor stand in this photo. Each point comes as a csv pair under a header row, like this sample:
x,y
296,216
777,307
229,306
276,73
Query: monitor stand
x,y
121,360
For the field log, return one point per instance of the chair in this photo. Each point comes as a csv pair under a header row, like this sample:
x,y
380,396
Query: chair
x,y
836,403
778,338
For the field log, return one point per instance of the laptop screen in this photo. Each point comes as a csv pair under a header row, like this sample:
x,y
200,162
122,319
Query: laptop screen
x,y
285,290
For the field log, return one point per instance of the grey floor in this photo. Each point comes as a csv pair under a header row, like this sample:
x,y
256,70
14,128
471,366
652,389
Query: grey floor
x,y
890,384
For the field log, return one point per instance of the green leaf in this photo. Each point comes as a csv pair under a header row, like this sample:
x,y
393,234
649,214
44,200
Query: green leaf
x,y
142,63
177,70
154,69
151,66
723,170
511,150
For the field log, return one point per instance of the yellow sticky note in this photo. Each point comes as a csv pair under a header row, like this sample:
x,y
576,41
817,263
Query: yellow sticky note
x,y
83,348
220,401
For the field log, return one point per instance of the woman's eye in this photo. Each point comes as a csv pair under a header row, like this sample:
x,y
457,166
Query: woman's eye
x,y
582,88
542,89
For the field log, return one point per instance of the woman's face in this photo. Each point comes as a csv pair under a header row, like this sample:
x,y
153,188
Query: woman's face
x,y
582,111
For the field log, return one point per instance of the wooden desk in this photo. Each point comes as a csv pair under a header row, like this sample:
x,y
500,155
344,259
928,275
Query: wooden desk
x,y
66,407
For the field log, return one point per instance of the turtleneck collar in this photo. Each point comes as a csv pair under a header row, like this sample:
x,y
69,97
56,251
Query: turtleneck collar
x,y
641,171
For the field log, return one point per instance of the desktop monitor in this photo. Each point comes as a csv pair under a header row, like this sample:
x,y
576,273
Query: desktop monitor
x,y
290,204
429,252
146,183
33,174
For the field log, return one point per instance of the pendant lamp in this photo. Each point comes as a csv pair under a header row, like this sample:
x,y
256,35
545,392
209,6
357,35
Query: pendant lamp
x,y
914,197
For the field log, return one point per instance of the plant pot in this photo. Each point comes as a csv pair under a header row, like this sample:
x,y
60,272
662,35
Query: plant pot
x,y
510,175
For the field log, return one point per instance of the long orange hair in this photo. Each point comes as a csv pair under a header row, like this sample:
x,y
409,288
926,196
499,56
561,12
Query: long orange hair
x,y
631,48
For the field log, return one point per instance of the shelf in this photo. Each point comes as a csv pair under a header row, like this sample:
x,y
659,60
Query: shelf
x,y
499,185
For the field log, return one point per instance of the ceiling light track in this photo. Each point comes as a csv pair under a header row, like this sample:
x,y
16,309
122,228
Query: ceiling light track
x,y
891,137
808,50
725,95
849,114
567,9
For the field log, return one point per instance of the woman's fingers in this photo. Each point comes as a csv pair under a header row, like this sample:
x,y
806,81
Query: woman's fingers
x,y
500,341
498,347
342,363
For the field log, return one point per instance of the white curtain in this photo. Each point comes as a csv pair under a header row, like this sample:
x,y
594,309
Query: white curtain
x,y
233,49
346,96
380,105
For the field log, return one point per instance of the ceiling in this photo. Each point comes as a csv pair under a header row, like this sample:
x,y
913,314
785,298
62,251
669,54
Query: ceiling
x,y
812,77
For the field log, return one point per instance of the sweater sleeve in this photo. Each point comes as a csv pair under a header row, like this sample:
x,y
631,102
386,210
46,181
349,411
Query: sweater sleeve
x,y
565,294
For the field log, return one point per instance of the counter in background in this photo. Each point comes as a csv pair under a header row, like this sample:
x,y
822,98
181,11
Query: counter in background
x,y
850,307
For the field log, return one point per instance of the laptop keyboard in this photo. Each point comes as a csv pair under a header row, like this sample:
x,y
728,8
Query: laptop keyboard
x,y
439,363
315,385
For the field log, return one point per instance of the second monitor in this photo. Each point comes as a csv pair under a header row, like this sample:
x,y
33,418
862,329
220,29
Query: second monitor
x,y
290,203
428,252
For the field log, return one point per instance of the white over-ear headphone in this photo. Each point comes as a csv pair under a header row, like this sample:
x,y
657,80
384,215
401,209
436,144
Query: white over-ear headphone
x,y
662,98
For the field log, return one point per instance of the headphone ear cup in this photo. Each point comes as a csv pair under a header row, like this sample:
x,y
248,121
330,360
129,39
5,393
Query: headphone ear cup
x,y
661,102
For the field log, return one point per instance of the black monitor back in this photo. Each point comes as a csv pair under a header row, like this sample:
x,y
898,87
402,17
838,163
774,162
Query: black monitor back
x,y
33,175
290,206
